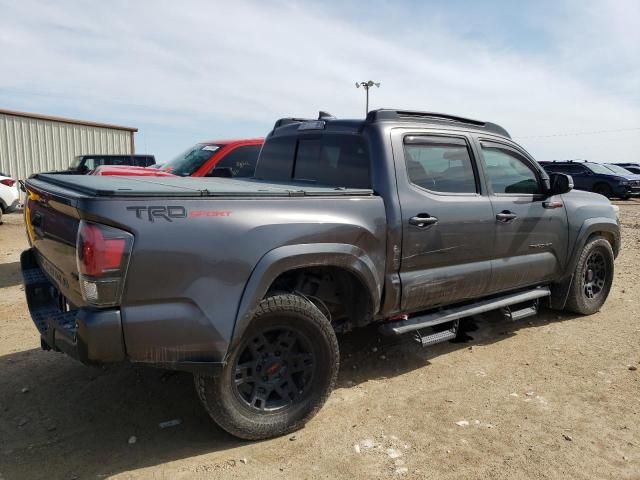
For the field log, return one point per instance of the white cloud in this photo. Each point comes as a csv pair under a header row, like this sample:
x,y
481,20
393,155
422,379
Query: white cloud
x,y
185,63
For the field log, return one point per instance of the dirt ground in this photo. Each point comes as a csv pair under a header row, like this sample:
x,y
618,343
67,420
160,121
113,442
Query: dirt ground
x,y
556,396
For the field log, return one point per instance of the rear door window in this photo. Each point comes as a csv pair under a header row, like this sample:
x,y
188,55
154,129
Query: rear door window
x,y
576,170
439,164
117,161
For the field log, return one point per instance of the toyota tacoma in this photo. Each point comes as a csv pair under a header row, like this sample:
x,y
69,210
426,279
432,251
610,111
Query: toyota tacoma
x,y
408,220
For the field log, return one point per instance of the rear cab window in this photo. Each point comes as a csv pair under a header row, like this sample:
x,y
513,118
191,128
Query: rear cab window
x,y
327,159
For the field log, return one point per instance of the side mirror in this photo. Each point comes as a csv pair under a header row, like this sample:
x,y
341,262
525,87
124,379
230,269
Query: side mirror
x,y
224,172
560,183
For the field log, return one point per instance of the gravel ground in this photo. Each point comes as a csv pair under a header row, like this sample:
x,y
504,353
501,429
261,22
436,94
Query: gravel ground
x,y
556,396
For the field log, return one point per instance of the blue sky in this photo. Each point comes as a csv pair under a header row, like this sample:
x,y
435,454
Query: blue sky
x,y
552,73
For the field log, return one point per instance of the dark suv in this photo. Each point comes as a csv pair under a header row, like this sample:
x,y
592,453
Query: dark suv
x,y
596,177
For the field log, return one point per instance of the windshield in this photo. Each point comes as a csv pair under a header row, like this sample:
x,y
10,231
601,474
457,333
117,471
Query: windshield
x,y
619,170
188,162
75,163
598,168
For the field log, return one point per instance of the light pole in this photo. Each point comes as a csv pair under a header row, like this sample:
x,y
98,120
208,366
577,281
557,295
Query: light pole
x,y
367,86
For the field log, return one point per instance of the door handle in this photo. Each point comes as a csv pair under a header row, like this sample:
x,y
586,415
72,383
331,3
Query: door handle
x,y
423,220
506,216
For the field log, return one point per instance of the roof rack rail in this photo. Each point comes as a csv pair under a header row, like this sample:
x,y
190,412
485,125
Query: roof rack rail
x,y
390,114
576,160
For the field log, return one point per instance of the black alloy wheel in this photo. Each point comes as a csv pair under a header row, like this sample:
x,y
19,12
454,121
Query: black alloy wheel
x,y
278,375
595,275
275,369
592,277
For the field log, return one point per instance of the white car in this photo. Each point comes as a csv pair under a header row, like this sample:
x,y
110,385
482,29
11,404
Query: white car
x,y
9,195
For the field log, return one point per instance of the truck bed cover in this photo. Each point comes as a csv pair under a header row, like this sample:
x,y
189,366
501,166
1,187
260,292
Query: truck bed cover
x,y
97,186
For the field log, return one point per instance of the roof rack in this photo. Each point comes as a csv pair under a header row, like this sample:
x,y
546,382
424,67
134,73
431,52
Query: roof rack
x,y
390,114
577,160
289,120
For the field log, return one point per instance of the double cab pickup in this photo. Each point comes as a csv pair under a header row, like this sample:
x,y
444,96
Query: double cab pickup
x,y
408,220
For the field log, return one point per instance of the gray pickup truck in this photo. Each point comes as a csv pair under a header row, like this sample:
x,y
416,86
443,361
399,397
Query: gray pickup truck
x,y
409,220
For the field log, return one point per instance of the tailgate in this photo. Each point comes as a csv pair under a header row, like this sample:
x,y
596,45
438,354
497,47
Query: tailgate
x,y
52,225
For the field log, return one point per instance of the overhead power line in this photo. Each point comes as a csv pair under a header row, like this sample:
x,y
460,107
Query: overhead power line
x,y
595,132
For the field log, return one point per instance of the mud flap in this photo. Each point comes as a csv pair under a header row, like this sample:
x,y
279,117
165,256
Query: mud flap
x,y
559,293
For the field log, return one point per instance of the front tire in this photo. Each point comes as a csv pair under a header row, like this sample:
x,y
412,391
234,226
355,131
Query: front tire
x,y
592,278
604,190
280,374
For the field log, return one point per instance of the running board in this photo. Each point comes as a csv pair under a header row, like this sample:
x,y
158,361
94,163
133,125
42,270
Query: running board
x,y
456,313
438,337
515,315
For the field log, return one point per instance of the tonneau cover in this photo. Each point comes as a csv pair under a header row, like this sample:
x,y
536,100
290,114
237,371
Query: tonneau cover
x,y
123,186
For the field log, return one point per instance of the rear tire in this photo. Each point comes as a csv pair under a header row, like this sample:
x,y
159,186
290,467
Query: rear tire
x,y
603,189
280,374
592,278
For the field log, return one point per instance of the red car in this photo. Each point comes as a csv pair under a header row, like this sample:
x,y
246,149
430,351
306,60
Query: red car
x,y
129,171
223,158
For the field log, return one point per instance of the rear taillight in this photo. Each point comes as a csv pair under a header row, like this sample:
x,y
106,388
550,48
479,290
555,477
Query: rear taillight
x,y
9,182
102,254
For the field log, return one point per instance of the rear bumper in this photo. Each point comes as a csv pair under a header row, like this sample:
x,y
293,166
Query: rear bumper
x,y
94,336
90,336
13,206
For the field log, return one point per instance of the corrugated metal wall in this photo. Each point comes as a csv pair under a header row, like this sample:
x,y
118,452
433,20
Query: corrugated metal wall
x,y
32,145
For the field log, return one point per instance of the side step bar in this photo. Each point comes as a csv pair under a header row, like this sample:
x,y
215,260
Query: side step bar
x,y
515,315
438,337
456,313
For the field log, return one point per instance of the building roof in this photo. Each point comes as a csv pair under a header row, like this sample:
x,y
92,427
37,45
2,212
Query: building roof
x,y
66,120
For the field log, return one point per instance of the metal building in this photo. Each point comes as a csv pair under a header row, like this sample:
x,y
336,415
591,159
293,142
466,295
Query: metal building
x,y
32,143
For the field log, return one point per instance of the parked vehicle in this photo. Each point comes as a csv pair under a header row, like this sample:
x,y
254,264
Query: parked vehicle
x,y
223,158
624,171
632,167
408,220
9,195
111,170
597,177
83,164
